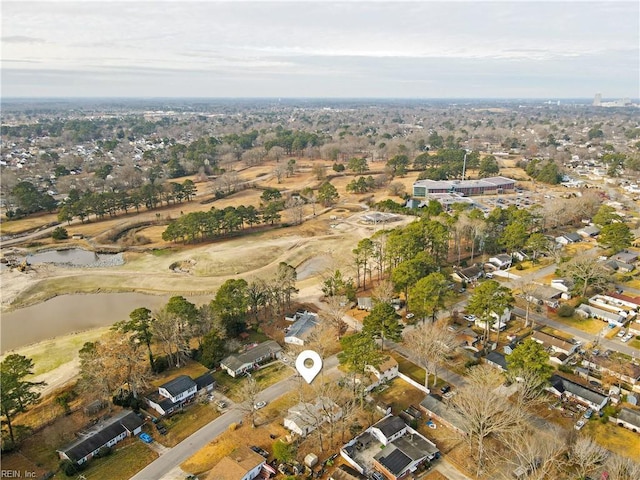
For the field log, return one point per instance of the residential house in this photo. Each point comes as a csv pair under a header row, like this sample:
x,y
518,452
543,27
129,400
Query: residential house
x,y
565,388
390,447
241,464
543,294
172,395
617,266
205,383
304,418
365,303
385,372
250,359
568,238
499,321
501,261
589,311
564,285
620,368
106,433
556,344
589,231
443,413
628,418
468,275
626,256
299,332
497,360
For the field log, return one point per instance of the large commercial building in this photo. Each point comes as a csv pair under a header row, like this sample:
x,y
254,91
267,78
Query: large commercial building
x,y
484,186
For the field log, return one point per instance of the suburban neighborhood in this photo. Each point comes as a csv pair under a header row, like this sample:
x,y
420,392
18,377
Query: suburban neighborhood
x,y
474,297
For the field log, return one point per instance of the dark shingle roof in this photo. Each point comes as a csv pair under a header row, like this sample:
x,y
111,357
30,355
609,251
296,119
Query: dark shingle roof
x,y
180,384
204,380
562,384
393,459
390,426
497,359
96,439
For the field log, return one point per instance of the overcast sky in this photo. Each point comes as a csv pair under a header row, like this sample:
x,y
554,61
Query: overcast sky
x,y
447,49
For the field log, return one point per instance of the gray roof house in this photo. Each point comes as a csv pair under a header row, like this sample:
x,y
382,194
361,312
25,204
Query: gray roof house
x,y
628,418
612,318
300,330
561,386
239,363
391,447
365,303
557,344
103,434
625,257
172,395
497,359
443,413
589,231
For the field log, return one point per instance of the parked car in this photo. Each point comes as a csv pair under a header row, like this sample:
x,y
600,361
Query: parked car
x,y
377,476
409,316
579,424
588,414
621,333
260,405
470,318
146,438
445,389
627,337
260,451
221,404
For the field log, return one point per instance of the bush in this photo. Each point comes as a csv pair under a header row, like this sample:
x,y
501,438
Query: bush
x,y
70,468
519,266
566,311
60,233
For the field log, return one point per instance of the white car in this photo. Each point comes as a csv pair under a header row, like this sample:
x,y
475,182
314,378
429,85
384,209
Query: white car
x,y
470,318
627,337
260,405
579,424
620,334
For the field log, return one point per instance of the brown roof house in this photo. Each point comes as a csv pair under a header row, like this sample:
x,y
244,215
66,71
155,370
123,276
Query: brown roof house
x,y
242,464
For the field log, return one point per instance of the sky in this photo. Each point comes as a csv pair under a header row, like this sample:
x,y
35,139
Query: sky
x,y
348,49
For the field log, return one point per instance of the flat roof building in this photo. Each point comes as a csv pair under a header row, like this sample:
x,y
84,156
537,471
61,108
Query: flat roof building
x,y
484,186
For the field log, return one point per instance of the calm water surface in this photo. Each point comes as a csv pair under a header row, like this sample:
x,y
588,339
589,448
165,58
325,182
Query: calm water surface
x,y
66,314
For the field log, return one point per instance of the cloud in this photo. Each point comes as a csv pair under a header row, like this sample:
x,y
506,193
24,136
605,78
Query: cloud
x,y
21,39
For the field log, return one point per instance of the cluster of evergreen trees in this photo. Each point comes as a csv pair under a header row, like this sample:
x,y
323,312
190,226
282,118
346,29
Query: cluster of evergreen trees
x,y
100,204
198,226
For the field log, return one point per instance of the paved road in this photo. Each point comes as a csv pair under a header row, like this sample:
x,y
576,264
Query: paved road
x,y
166,466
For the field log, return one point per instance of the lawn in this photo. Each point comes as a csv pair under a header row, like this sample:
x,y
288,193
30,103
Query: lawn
x,y
122,464
615,438
192,368
590,325
51,354
265,377
401,395
183,424
410,369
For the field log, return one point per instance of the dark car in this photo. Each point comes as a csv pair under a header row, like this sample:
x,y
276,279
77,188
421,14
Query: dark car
x,y
260,451
445,389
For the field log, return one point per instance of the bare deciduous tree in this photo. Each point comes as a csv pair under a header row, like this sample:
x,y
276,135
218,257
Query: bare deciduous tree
x,y
539,454
249,394
334,313
586,455
622,468
430,343
484,412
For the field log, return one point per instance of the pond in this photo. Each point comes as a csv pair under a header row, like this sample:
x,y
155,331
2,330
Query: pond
x,y
66,314
77,257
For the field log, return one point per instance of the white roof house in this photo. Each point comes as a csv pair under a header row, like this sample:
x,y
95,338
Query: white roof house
x,y
304,418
